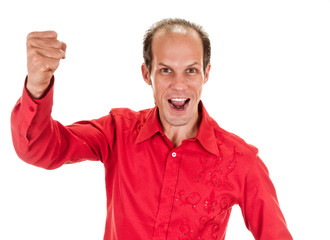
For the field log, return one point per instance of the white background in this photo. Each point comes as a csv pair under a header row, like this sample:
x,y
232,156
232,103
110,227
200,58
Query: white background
x,y
268,84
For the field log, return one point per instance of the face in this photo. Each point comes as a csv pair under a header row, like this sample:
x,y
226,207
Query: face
x,y
177,77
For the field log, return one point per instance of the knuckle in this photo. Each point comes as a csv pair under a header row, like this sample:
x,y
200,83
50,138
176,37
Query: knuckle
x,y
32,42
28,42
56,54
30,35
61,54
57,44
63,46
53,34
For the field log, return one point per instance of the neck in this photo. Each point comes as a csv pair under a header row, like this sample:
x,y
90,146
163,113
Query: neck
x,y
177,134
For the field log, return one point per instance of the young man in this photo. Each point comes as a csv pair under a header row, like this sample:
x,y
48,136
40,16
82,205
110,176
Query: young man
x,y
171,171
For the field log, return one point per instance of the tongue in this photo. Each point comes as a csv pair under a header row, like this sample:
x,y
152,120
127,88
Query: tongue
x,y
178,104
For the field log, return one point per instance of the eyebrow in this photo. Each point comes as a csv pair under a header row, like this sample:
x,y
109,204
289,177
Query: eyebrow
x,y
194,63
163,64
190,65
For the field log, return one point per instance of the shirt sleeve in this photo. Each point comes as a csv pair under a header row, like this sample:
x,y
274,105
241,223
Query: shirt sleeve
x,y
260,207
41,141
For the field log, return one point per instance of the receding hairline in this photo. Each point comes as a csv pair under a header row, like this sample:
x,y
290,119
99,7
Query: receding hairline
x,y
180,26
175,28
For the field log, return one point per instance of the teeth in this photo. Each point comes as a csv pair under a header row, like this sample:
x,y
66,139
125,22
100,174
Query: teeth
x,y
178,99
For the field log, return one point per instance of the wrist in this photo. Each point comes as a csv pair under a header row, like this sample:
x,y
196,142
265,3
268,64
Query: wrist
x,y
38,91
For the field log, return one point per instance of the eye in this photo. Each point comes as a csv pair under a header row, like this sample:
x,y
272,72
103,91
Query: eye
x,y
166,70
191,70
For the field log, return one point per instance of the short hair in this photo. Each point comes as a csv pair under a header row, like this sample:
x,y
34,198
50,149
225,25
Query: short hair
x,y
175,25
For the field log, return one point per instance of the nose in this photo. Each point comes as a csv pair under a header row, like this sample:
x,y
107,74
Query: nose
x,y
179,82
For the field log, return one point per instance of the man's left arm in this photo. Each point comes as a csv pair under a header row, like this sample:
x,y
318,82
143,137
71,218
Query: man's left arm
x,y
260,207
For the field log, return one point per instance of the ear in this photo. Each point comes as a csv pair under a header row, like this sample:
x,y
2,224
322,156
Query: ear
x,y
145,74
207,73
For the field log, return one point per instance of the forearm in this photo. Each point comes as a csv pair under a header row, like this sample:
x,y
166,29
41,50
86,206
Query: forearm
x,y
40,140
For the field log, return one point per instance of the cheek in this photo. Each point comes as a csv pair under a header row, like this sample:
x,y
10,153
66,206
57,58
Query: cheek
x,y
157,94
198,86
159,88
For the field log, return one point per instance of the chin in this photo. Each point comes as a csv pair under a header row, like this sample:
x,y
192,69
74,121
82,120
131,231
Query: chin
x,y
177,121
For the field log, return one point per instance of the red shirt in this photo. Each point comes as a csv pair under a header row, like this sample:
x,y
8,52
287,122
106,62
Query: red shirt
x,y
155,190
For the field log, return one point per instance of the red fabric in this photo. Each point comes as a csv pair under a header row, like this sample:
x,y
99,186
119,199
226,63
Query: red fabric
x,y
155,191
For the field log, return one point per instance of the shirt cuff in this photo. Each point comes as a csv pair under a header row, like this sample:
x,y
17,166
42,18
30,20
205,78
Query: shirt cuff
x,y
35,110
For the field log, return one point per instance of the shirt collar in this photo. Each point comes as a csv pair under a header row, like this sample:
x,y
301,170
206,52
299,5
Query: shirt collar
x,y
205,135
150,127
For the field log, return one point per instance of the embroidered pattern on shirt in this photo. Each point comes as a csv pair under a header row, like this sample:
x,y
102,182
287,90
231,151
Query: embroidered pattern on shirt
x,y
191,199
208,225
216,170
215,173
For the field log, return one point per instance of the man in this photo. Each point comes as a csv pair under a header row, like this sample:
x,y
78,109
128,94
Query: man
x,y
171,171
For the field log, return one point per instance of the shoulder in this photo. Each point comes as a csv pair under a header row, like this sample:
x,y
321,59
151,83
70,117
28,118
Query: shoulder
x,y
232,140
128,116
243,155
129,113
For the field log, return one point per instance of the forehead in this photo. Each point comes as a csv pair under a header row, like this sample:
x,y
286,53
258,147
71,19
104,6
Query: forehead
x,y
177,45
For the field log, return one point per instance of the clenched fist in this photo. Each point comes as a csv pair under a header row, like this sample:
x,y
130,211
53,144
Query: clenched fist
x,y
44,53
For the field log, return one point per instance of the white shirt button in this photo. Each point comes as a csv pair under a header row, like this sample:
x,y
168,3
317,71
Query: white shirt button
x,y
173,154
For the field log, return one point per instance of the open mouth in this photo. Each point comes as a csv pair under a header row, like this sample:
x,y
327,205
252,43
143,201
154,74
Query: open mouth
x,y
179,104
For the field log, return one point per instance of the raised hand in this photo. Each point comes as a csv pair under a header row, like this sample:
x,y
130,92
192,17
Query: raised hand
x,y
44,52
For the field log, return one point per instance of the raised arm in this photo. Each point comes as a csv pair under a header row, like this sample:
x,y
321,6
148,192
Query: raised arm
x,y
37,138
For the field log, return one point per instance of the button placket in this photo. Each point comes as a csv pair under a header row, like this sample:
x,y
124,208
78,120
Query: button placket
x,y
167,195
